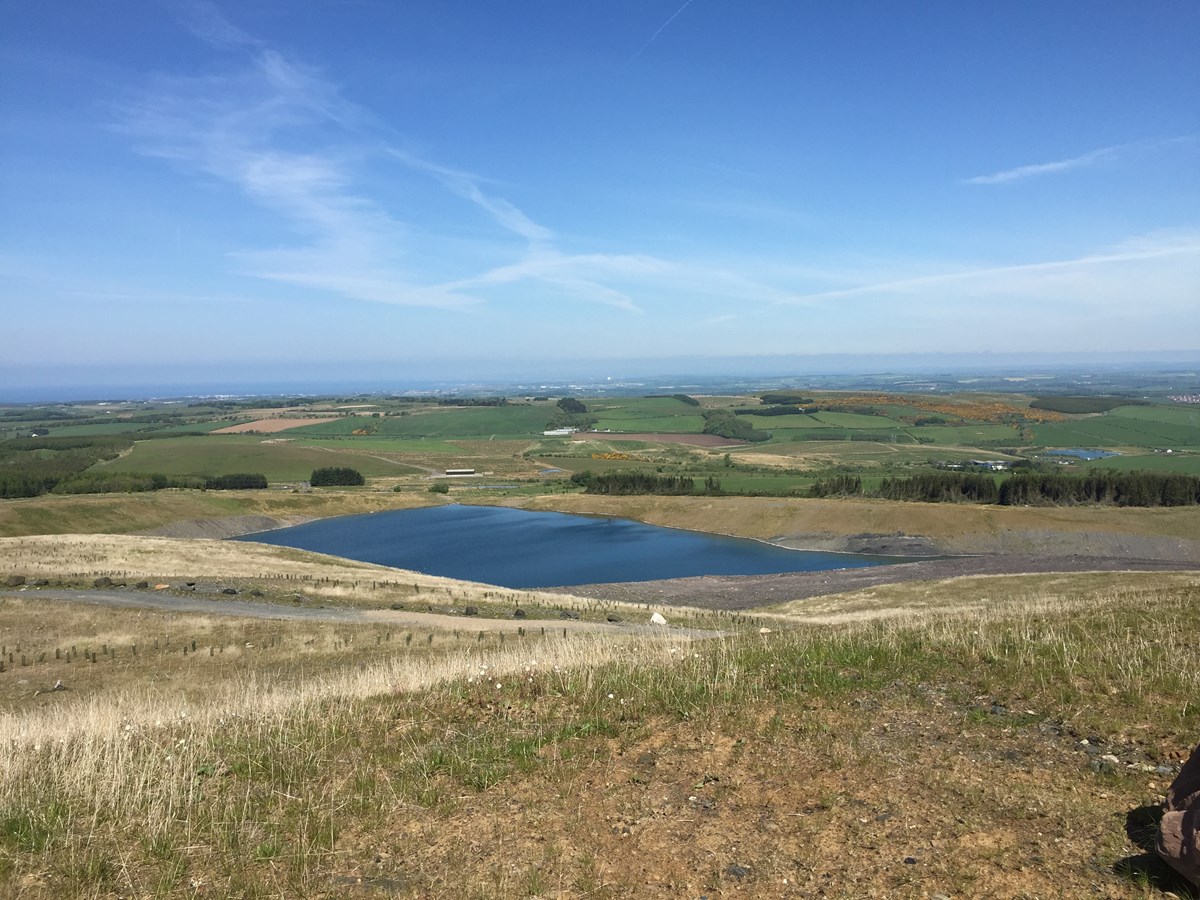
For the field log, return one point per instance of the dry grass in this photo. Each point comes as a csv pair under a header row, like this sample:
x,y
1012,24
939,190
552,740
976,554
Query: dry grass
x,y
392,597
131,513
950,524
588,767
80,558
144,557
976,595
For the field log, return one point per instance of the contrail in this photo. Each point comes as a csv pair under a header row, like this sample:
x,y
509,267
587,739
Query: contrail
x,y
661,29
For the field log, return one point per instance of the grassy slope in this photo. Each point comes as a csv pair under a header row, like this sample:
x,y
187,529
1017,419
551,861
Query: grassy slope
x,y
77,559
965,528
281,460
939,755
770,519
127,513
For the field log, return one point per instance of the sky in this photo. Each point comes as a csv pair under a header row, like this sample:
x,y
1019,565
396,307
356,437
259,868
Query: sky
x,y
270,190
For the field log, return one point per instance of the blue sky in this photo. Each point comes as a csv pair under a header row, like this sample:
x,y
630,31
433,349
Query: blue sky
x,y
377,188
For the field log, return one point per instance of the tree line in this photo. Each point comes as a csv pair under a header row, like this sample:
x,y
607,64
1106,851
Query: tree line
x,y
473,401
724,423
14,486
336,476
1117,488
682,398
771,411
635,483
1034,489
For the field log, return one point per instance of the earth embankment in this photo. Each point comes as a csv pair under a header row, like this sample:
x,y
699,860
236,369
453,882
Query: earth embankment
x,y
896,528
746,592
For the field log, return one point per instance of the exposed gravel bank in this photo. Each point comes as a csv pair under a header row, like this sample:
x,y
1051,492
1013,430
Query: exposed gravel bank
x,y
742,592
224,527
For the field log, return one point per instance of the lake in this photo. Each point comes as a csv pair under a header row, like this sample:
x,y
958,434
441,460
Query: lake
x,y
1080,453
517,548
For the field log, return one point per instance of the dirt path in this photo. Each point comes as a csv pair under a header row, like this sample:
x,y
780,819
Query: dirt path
x,y
342,615
741,592
394,462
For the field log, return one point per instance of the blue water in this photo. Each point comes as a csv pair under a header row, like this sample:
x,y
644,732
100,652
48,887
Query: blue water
x,y
517,548
1082,454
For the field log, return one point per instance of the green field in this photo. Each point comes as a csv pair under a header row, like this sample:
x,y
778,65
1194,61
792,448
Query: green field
x,y
229,453
1126,426
966,435
664,414
835,435
856,420
1177,463
656,424
407,440
443,422
1188,416
102,428
379,444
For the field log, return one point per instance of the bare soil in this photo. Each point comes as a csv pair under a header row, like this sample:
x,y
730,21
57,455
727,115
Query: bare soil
x,y
270,426
867,799
743,592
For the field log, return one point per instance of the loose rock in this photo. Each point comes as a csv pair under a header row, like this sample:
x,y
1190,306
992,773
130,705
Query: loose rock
x,y
1178,839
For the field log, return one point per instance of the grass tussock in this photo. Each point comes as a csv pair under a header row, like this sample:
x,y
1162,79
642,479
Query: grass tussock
x,y
774,750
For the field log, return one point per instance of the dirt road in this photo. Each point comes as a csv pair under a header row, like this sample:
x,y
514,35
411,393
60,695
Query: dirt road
x,y
339,614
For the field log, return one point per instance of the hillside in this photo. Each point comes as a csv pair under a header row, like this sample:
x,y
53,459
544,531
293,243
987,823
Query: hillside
x,y
1001,737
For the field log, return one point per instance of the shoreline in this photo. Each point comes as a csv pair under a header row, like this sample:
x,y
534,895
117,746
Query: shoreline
x,y
751,592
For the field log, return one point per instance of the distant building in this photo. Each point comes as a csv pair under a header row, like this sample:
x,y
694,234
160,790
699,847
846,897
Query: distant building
x,y
995,465
560,432
460,472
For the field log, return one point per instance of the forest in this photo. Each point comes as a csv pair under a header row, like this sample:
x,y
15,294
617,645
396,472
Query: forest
x,y
1033,489
634,483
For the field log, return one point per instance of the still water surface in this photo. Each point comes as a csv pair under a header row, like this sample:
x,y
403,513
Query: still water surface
x,y
517,548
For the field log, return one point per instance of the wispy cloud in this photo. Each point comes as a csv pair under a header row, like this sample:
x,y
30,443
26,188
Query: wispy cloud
x,y
205,21
240,124
1043,278
661,28
468,186
1020,173
1083,161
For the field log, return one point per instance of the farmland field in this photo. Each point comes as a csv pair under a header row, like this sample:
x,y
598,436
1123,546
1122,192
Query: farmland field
x,y
267,426
1187,463
100,428
444,422
1117,429
660,424
966,435
1188,416
226,454
401,443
